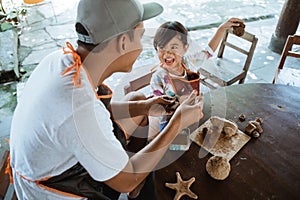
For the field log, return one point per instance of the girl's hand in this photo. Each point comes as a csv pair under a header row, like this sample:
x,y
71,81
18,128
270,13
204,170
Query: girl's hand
x,y
216,39
231,23
157,105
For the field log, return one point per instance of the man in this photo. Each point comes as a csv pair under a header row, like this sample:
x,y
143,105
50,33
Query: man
x,y
62,137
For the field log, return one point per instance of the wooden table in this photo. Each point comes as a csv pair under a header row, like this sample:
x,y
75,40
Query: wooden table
x,y
265,168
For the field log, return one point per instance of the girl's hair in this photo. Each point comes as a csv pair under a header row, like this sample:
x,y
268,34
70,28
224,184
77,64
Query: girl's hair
x,y
167,31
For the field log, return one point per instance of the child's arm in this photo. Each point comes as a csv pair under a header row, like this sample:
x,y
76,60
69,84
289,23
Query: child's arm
x,y
157,84
216,39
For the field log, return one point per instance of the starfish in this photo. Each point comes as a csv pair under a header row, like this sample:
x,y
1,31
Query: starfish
x,y
182,187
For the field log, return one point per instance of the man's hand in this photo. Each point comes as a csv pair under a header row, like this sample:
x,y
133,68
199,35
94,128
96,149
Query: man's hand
x,y
157,105
189,111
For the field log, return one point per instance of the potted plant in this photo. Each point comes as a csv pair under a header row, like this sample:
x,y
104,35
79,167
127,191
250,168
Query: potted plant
x,y
10,19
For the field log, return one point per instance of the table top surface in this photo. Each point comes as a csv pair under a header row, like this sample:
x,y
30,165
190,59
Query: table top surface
x,y
267,167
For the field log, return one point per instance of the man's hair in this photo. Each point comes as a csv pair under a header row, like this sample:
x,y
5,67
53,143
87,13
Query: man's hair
x,y
91,47
167,31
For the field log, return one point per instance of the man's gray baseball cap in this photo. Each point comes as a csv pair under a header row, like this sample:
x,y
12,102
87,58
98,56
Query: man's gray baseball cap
x,y
104,19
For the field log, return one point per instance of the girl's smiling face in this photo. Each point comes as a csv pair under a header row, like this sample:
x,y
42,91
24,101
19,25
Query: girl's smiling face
x,y
170,55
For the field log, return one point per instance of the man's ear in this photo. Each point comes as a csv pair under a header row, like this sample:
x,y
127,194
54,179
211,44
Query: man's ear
x,y
122,44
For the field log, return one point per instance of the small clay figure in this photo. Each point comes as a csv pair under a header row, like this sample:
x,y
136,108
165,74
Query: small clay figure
x,y
229,132
259,120
242,117
254,127
250,128
255,134
224,125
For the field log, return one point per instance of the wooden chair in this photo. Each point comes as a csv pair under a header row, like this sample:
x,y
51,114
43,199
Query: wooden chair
x,y
226,71
140,82
289,75
7,191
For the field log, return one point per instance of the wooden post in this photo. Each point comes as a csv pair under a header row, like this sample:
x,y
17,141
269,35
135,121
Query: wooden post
x,y
287,25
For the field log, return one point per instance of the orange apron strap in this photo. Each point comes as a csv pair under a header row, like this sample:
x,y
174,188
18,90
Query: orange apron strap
x,y
172,84
170,79
76,65
48,188
58,191
106,96
8,169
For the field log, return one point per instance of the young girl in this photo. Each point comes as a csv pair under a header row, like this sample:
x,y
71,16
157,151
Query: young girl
x,y
171,44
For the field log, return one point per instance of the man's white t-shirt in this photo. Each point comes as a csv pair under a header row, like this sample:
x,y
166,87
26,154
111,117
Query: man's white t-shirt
x,y
56,125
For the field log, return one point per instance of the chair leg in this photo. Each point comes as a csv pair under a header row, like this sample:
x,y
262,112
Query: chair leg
x,y
287,47
276,76
222,46
242,81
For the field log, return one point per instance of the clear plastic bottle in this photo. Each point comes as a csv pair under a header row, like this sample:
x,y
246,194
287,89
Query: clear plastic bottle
x,y
182,141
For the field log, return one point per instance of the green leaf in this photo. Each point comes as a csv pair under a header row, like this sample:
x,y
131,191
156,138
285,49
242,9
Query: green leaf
x,y
6,26
23,11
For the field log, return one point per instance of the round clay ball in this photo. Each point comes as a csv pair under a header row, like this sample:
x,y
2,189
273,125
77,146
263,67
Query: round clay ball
x,y
239,30
218,167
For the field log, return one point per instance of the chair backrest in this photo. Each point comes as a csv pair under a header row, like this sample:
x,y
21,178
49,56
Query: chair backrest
x,y
249,53
287,51
225,74
139,82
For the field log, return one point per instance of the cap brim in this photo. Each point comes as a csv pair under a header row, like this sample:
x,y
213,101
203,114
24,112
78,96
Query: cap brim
x,y
151,10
